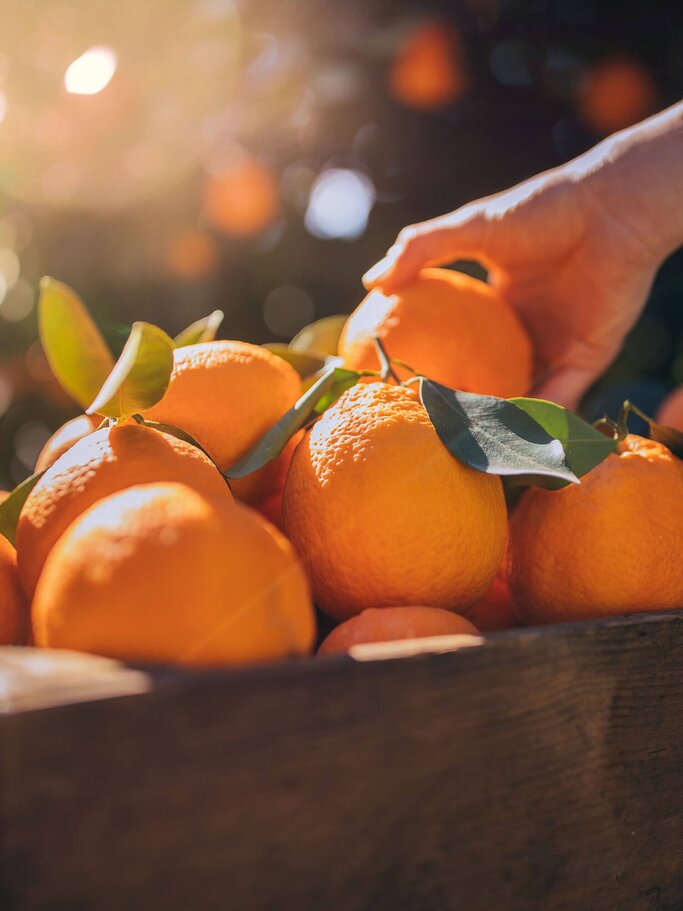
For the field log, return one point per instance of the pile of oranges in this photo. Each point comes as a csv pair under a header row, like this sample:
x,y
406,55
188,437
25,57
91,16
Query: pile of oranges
x,y
133,544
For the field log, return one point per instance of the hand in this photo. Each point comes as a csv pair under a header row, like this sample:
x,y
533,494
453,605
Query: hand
x,y
561,254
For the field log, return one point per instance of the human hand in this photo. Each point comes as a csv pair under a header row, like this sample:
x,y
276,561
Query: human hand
x,y
559,250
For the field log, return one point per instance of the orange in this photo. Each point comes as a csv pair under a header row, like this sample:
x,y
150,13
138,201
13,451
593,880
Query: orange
x,y
428,70
452,328
160,573
611,545
14,616
63,439
671,410
227,395
387,624
383,515
496,610
108,460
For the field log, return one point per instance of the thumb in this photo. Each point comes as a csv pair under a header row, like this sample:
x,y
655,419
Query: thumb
x,y
431,243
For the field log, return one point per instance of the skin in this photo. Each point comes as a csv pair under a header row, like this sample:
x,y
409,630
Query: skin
x,y
574,250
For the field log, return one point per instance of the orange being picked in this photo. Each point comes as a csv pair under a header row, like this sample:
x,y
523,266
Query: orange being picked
x,y
671,410
108,460
14,614
611,545
382,514
387,624
63,439
227,395
452,328
160,573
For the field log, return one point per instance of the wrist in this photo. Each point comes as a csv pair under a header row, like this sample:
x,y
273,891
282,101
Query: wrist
x,y
634,180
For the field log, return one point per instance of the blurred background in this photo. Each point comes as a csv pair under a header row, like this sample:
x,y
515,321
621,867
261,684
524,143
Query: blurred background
x,y
169,157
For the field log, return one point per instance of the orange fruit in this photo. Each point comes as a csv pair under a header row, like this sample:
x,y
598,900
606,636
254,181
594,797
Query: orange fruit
x,y
452,328
611,545
160,573
428,70
616,93
63,439
14,615
671,410
108,460
227,395
382,514
496,610
387,624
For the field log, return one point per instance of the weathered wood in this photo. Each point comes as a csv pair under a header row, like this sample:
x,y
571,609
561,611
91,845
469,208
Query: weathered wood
x,y
541,771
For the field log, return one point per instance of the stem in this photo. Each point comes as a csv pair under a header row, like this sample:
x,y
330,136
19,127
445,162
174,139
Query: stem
x,y
387,371
605,423
395,360
138,418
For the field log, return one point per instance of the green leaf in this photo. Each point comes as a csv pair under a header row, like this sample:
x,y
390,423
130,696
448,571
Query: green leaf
x,y
584,446
203,330
494,436
12,506
306,363
74,347
308,406
140,376
320,337
342,379
668,436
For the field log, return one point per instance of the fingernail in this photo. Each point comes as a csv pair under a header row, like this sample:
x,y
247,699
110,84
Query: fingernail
x,y
372,276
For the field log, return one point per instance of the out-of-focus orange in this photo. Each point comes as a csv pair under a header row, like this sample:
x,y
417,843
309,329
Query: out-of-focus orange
x,y
671,410
428,70
387,624
192,254
106,461
14,615
616,93
610,545
160,573
452,328
227,395
63,439
244,199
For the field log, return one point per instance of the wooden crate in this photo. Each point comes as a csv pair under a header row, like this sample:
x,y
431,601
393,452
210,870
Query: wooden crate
x,y
542,769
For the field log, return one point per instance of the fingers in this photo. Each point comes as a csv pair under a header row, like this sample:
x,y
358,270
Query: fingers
x,y
566,386
432,243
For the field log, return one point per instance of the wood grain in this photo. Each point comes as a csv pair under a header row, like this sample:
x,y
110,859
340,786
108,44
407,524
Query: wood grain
x,y
540,771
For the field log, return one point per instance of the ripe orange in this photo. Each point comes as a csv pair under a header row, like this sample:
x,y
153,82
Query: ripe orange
x,y
14,615
450,327
382,514
63,439
105,461
610,545
671,410
160,573
387,624
227,395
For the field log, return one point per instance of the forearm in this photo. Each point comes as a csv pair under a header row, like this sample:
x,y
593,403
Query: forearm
x,y
637,177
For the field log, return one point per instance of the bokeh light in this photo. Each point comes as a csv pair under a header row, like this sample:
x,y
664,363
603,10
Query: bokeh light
x,y
287,309
192,254
615,94
340,204
428,70
91,72
244,199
